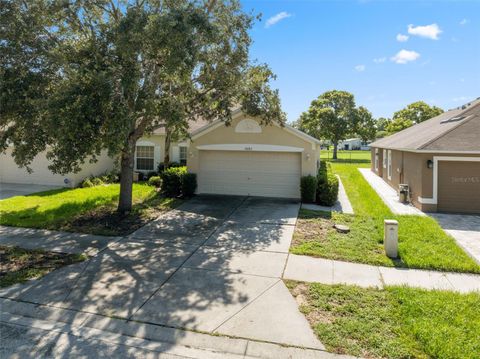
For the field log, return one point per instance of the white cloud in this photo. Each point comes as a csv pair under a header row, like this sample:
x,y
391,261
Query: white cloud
x,y
464,22
360,68
429,31
404,56
276,18
402,37
380,60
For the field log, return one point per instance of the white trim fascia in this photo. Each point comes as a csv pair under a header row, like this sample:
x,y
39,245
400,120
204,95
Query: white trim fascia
x,y
206,129
249,147
429,151
298,133
213,125
436,159
217,123
145,143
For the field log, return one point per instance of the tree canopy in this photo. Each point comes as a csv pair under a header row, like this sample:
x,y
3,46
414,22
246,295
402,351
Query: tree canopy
x,y
412,114
365,124
82,77
332,116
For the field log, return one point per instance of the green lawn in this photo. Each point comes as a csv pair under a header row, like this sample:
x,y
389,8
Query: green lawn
x,y
346,156
87,210
397,322
422,242
18,265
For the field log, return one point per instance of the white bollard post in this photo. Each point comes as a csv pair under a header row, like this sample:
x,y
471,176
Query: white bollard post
x,y
390,238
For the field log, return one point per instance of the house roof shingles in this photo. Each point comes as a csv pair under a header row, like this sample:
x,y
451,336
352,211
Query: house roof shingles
x,y
440,134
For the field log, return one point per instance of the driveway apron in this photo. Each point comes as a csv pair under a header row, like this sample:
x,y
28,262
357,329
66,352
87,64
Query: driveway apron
x,y
214,265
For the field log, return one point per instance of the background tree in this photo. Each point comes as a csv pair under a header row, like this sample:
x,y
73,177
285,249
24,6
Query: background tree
x,y
365,125
381,126
331,116
110,72
413,114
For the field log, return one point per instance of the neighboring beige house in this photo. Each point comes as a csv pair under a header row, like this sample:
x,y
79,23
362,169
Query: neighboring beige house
x,y
241,159
41,175
439,159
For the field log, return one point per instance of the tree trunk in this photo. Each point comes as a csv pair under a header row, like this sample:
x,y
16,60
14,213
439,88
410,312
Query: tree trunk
x,y
166,157
126,180
335,146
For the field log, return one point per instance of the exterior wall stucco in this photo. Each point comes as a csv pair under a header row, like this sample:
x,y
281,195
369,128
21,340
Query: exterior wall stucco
x,y
104,164
10,172
158,141
270,135
411,168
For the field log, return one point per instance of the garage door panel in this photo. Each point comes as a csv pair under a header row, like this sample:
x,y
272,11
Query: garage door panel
x,y
459,186
11,173
274,174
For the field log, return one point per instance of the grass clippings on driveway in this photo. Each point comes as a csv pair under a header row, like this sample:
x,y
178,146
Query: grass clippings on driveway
x,y
86,210
422,242
17,265
397,322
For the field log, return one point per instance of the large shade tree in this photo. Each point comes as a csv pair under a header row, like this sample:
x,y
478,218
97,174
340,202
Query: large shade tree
x,y
412,114
331,117
365,124
86,76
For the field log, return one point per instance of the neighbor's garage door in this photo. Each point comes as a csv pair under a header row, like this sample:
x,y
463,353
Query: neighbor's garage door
x,y
268,174
459,186
11,173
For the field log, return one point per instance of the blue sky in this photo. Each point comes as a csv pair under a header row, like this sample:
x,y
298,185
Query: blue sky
x,y
314,46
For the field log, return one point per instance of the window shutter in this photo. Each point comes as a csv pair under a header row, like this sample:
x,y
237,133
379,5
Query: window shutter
x,y
175,154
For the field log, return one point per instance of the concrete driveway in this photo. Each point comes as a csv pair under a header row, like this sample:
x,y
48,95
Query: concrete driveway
x,y
464,228
8,190
212,265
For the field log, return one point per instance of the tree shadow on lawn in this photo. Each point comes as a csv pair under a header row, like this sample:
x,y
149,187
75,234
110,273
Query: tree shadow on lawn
x,y
158,279
89,217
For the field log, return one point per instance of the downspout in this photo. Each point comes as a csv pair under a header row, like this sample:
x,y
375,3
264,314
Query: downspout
x,y
401,170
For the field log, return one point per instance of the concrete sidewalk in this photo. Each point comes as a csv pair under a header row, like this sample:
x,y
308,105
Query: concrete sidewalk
x,y
36,331
213,265
342,205
55,241
327,271
8,190
388,194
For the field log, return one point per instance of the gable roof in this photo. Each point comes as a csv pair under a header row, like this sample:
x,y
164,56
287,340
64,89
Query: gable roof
x,y
199,127
432,134
217,123
192,126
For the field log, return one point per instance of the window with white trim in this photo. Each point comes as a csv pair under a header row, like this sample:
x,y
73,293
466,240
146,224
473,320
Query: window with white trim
x,y
376,159
389,164
384,159
183,155
144,158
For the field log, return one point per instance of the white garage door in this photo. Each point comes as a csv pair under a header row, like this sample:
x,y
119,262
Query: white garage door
x,y
268,174
11,173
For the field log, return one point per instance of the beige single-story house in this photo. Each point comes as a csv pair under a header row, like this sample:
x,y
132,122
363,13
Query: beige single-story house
x,y
438,159
243,158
